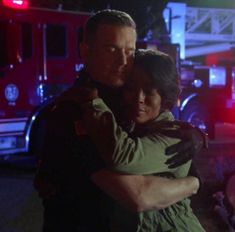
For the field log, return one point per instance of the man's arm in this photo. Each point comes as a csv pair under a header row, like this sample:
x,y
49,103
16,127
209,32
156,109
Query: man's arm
x,y
139,193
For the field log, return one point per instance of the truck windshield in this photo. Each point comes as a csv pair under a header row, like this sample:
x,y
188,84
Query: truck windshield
x,y
3,44
15,42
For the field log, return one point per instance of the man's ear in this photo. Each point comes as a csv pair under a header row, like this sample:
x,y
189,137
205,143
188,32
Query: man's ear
x,y
83,51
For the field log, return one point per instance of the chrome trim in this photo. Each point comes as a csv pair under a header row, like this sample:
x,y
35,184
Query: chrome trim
x,y
12,127
186,100
29,128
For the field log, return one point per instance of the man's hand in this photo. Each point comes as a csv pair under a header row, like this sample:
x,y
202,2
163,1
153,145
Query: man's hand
x,y
193,140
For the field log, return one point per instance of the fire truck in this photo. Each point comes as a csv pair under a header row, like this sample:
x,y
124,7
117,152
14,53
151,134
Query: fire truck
x,y
39,59
202,42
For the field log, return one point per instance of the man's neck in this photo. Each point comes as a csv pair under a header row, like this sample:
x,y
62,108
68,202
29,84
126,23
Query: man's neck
x,y
111,96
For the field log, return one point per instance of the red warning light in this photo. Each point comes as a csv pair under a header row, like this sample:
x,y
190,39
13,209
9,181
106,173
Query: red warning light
x,y
17,4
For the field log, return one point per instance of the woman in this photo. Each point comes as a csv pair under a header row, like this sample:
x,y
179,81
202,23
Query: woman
x,y
149,95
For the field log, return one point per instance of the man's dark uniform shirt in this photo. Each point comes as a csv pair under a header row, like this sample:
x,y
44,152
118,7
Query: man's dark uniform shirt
x,y
68,159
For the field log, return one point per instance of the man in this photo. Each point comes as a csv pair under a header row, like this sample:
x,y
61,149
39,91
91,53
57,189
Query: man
x,y
70,199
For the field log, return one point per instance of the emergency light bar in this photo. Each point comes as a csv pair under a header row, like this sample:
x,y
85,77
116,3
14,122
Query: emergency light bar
x,y
16,4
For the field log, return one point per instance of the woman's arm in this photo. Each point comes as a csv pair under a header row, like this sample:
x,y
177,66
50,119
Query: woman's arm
x,y
140,193
140,155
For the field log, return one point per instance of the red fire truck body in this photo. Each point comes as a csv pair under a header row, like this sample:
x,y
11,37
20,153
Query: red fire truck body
x,y
202,43
39,58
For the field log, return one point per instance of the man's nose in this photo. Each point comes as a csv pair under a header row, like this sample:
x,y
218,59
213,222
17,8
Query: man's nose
x,y
122,57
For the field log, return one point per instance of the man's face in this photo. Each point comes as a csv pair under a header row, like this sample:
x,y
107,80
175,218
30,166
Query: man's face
x,y
109,60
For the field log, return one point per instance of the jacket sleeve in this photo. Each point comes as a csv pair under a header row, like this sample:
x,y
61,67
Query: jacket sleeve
x,y
145,155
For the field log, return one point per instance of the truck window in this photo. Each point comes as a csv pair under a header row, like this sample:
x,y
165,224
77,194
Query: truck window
x,y
15,42
79,39
26,40
55,41
3,44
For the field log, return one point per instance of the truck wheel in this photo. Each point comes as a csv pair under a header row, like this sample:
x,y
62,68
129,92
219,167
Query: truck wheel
x,y
198,116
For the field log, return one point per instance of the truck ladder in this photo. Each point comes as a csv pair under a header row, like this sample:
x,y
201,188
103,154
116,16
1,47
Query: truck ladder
x,y
209,25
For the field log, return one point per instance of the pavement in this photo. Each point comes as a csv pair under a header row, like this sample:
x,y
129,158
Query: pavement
x,y
20,207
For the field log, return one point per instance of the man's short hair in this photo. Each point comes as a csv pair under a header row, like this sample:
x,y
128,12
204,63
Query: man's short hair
x,y
106,17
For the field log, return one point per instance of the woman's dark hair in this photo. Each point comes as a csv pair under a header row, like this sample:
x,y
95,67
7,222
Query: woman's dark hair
x,y
162,71
106,17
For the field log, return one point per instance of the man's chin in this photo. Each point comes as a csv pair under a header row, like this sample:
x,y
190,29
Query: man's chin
x,y
112,81
117,83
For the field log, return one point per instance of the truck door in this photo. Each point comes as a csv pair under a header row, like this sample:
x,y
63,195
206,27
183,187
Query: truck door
x,y
58,67
18,81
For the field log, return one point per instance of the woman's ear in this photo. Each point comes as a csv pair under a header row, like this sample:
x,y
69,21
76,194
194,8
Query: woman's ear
x,y
83,47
